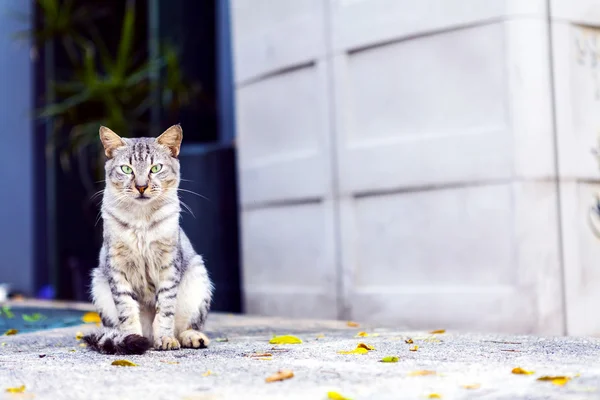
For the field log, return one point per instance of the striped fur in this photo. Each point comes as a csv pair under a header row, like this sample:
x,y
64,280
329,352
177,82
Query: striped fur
x,y
151,288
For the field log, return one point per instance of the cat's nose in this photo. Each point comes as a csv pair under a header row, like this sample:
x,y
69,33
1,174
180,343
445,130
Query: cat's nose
x,y
141,189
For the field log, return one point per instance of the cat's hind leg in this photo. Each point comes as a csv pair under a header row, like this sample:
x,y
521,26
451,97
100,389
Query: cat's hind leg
x,y
193,303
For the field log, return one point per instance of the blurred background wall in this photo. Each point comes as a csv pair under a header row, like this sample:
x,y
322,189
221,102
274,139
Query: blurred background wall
x,y
423,163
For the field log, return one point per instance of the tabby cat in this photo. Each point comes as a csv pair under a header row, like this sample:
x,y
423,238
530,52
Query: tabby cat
x,y
150,288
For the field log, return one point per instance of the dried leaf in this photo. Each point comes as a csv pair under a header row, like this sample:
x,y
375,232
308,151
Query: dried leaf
x,y
123,363
207,373
409,341
414,348
79,335
434,396
280,375
390,359
263,358
82,345
259,355
352,324
19,389
222,339
11,332
320,336
556,380
472,386
422,373
91,317
169,362
438,332
521,371
362,334
72,351
365,346
336,396
285,339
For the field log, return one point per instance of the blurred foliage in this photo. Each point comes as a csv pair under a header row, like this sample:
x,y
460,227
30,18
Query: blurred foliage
x,y
116,90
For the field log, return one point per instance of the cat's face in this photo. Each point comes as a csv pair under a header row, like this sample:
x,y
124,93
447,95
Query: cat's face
x,y
142,169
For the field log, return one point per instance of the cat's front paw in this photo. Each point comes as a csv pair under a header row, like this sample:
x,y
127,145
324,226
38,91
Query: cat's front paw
x,y
194,339
166,343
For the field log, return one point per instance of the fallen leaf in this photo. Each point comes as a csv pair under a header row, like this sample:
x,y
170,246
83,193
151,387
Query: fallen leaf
x,y
414,348
358,350
263,358
82,345
11,332
42,355
222,339
362,334
472,386
374,334
3,344
6,310
352,324
409,341
32,317
390,359
285,339
336,396
556,380
91,317
79,335
438,332
169,362
259,355
434,396
72,351
123,363
207,373
422,373
521,371
280,375
365,346
19,389
320,336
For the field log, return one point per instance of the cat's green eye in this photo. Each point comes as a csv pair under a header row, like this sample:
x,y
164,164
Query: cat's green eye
x,y
156,168
126,168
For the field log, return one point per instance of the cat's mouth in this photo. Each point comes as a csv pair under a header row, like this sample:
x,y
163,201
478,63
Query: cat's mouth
x,y
142,197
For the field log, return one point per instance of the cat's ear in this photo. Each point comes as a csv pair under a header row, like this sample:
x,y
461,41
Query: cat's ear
x,y
110,141
172,138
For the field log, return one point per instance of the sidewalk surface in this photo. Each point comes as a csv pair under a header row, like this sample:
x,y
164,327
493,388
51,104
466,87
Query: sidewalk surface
x,y
53,365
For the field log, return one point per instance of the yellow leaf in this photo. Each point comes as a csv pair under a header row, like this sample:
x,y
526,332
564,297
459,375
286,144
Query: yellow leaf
x,y
336,396
438,332
362,334
365,346
434,396
389,359
280,375
222,339
79,335
414,348
320,336
556,380
123,363
91,317
11,332
352,324
472,386
207,373
72,351
169,362
521,371
19,389
422,373
358,350
263,358
409,341
82,345
285,339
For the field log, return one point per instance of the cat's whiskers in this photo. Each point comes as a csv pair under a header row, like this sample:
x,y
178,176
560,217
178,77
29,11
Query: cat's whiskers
x,y
192,192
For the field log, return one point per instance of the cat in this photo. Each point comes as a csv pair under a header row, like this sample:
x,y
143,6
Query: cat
x,y
150,288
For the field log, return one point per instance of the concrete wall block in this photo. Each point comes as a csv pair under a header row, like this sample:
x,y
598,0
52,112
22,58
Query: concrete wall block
x,y
272,35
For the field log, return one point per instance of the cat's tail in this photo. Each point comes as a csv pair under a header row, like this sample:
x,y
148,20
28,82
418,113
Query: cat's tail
x,y
113,341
